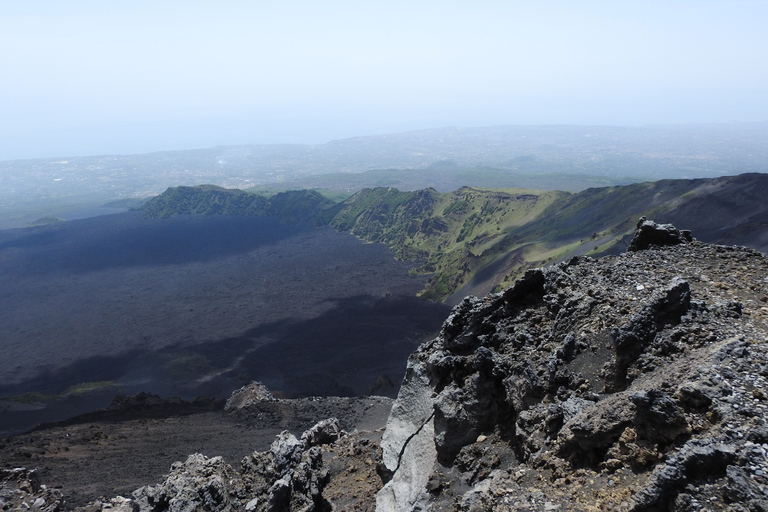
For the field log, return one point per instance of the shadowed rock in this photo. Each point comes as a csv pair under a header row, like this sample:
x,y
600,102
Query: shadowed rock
x,y
587,382
248,395
649,233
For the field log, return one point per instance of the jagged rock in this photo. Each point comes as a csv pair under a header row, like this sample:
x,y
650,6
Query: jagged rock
x,y
20,489
634,382
658,418
324,432
248,395
629,382
199,483
631,339
649,233
290,476
574,406
696,459
593,430
116,504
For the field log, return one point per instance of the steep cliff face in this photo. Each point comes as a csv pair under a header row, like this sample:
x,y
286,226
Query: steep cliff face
x,y
634,382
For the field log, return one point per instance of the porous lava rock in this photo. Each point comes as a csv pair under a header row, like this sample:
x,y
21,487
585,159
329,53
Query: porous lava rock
x,y
20,489
246,396
649,233
289,476
634,382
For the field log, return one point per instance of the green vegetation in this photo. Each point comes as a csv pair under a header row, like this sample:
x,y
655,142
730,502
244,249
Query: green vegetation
x,y
451,234
205,200
47,220
472,237
335,196
84,388
300,206
388,216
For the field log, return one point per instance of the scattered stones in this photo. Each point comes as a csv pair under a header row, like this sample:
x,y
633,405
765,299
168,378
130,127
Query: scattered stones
x,y
20,489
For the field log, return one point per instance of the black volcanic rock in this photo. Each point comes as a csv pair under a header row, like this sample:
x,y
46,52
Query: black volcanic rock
x,y
625,383
649,233
631,383
289,476
197,306
20,489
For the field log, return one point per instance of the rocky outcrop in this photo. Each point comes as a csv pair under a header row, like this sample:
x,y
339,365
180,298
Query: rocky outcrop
x,y
289,476
332,461
247,396
20,489
649,233
630,383
625,383
408,447
199,483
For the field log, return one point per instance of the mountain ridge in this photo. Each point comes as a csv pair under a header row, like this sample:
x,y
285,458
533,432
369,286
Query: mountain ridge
x,y
476,240
560,157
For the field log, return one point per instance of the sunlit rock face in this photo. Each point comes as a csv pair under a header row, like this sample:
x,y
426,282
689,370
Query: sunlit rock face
x,y
634,382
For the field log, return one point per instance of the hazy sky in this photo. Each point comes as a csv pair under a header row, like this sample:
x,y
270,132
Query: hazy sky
x,y
118,76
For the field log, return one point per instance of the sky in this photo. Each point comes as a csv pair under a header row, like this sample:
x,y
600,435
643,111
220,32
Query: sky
x,y
117,77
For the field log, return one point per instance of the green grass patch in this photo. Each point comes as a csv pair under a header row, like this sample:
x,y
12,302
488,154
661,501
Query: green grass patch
x,y
86,388
454,234
81,389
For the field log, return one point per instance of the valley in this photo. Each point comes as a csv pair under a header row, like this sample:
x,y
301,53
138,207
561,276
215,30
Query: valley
x,y
475,241
197,305
203,289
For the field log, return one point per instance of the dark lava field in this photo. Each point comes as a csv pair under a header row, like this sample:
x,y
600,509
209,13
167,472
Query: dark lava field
x,y
197,306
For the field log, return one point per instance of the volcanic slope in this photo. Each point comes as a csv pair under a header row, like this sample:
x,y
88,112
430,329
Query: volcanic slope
x,y
197,305
633,382
473,241
478,240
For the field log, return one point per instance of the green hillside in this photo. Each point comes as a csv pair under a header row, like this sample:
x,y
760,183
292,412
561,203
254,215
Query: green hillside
x,y
472,240
449,233
205,200
298,206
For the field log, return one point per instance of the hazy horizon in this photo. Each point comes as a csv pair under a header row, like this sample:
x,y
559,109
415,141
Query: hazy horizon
x,y
87,77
